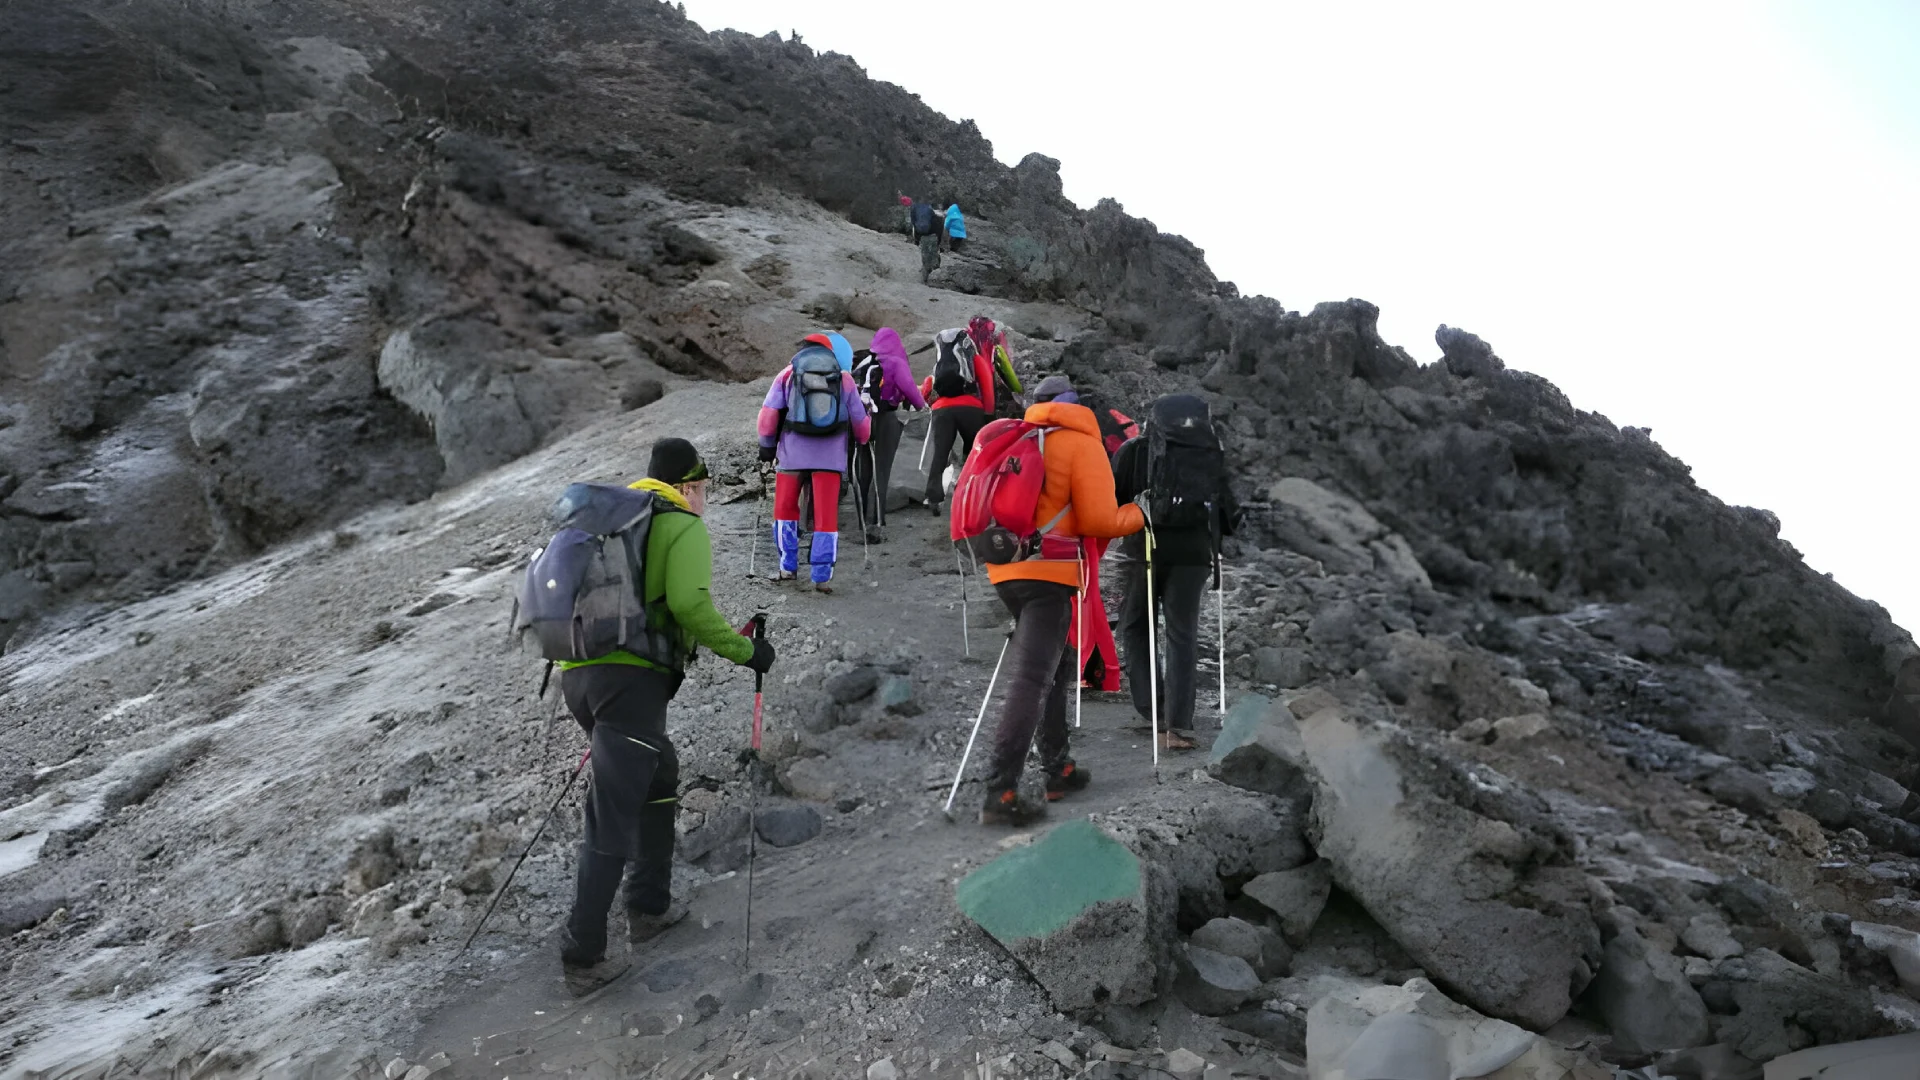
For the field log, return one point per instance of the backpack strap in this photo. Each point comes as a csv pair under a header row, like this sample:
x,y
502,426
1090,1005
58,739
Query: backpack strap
x,y
1040,436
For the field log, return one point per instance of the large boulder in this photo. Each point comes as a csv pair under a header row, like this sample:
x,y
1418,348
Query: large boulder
x,y
1087,918
1200,836
1342,534
1465,869
1778,1005
1356,1029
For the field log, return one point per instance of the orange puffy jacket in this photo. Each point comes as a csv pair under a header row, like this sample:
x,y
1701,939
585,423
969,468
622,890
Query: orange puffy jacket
x,y
1079,474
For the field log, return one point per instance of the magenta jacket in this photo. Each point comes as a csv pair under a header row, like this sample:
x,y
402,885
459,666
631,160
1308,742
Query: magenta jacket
x,y
819,453
897,385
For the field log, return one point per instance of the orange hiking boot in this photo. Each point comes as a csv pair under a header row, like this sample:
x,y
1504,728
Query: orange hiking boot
x,y
1003,807
1064,779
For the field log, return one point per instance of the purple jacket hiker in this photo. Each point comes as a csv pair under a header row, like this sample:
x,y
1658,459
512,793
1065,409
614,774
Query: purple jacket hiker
x,y
897,385
821,453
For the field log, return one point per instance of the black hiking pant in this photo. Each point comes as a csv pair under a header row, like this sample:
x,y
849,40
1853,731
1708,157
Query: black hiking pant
x,y
632,796
929,255
873,466
1038,671
962,420
1178,592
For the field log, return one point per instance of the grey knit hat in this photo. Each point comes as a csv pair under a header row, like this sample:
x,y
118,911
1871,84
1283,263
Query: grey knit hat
x,y
1056,388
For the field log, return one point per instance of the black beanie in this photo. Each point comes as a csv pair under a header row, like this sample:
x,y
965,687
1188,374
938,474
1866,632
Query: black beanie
x,y
675,461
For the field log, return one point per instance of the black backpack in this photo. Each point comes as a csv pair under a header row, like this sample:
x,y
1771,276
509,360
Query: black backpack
x,y
868,378
953,374
924,219
1186,466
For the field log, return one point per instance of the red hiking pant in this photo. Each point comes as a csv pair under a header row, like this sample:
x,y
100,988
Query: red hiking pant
x,y
826,499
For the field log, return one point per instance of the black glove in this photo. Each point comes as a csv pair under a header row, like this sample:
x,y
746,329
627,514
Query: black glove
x,y
766,453
762,658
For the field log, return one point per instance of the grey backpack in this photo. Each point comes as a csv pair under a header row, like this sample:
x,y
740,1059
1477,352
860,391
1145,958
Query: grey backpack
x,y
581,597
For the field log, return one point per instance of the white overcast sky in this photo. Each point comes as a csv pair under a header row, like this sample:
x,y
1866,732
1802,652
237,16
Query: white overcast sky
x,y
1698,217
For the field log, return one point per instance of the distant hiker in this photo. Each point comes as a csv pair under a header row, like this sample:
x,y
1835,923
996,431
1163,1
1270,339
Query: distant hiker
x,y
886,385
1041,587
927,227
1181,467
961,390
620,697
991,341
906,214
809,414
956,227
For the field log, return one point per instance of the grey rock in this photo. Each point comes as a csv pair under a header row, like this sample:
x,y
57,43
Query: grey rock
x,y
1281,667
853,685
1295,896
1214,984
1707,935
1264,950
788,826
1830,808
1743,789
1517,728
1259,749
896,696
1772,998
1643,994
1716,1062
724,826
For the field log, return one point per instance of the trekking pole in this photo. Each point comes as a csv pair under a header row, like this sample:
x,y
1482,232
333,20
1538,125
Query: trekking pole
x,y
860,510
1220,606
977,718
1153,652
1080,633
966,635
537,833
759,511
758,624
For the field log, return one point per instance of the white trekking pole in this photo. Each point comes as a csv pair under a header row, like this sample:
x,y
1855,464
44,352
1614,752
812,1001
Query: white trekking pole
x,y
978,717
966,634
1153,651
1220,605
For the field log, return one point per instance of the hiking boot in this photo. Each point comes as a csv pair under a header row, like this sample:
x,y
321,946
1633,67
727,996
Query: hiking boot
x,y
1065,779
784,575
1175,741
1003,807
643,927
823,586
583,973
933,508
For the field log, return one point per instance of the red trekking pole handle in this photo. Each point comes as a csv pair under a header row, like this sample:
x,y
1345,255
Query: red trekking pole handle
x,y
756,628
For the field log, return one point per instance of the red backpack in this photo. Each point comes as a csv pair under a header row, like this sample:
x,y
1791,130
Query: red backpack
x,y
999,492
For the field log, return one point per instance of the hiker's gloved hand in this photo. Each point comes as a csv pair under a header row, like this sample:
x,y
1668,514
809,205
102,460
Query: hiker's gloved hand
x,y
762,658
766,454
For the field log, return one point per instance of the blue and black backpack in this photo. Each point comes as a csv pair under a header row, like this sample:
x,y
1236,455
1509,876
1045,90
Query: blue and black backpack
x,y
814,402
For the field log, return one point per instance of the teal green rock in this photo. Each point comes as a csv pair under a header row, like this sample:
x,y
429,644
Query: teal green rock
x,y
1080,911
1036,890
1241,725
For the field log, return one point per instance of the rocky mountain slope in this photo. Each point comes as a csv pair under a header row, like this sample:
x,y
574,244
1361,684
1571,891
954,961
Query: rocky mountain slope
x,y
317,304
